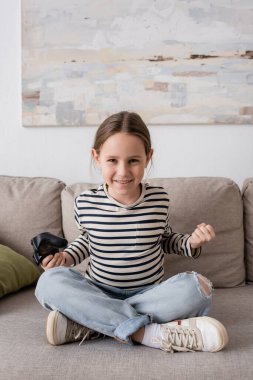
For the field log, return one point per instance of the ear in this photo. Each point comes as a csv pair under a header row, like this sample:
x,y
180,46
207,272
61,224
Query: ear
x,y
149,156
95,156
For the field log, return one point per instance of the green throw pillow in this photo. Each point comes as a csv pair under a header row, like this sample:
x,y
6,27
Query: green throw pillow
x,y
16,271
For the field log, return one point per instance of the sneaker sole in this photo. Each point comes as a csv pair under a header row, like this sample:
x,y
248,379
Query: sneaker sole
x,y
222,332
51,326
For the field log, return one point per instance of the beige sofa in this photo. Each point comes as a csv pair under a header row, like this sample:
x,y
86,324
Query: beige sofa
x,y
29,206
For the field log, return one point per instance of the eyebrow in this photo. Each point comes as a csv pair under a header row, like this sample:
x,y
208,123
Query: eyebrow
x,y
111,156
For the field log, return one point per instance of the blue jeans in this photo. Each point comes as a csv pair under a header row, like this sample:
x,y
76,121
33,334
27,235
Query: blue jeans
x,y
120,312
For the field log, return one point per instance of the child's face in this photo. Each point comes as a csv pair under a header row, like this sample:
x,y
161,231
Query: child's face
x,y
122,159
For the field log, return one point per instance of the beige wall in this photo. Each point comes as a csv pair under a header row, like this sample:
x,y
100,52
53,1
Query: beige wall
x,y
64,152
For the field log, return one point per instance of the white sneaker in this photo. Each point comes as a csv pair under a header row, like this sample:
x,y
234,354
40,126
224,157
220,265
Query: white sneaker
x,y
62,330
194,334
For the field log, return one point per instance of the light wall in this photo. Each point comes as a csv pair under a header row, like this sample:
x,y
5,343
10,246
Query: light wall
x,y
64,153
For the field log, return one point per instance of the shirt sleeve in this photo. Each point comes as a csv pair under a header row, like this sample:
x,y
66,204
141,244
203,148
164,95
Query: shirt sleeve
x,y
79,248
176,243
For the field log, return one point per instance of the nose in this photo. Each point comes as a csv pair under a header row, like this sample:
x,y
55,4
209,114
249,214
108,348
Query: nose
x,y
122,169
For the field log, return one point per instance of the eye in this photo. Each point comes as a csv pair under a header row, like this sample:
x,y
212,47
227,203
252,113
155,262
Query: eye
x,y
111,160
133,161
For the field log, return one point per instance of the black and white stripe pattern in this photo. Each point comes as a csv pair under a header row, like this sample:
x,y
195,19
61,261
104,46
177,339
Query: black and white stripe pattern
x,y
126,244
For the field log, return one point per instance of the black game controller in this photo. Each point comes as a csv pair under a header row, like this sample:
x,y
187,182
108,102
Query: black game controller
x,y
46,244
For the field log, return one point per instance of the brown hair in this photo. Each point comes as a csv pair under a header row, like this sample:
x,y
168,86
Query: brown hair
x,y
124,121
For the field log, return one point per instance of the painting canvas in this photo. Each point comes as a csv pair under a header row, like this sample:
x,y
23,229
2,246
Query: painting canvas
x,y
174,62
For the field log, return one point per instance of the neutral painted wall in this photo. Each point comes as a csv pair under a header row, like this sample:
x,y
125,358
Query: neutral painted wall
x,y
65,152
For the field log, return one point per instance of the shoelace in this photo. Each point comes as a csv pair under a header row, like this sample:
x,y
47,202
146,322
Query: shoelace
x,y
76,331
91,335
175,339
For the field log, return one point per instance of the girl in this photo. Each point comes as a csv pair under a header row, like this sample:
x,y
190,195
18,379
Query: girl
x,y
125,231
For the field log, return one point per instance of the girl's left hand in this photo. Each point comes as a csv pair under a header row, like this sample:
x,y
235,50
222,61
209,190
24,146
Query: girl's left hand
x,y
201,235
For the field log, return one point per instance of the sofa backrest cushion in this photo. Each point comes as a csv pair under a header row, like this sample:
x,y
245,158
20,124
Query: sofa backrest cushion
x,y
68,196
216,201
28,206
247,196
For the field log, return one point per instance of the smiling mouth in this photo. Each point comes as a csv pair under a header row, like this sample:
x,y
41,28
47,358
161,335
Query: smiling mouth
x,y
123,182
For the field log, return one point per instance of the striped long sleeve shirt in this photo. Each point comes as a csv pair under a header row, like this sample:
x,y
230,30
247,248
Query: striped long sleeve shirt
x,y
126,244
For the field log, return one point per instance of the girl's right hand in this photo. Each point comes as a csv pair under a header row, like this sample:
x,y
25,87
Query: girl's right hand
x,y
52,261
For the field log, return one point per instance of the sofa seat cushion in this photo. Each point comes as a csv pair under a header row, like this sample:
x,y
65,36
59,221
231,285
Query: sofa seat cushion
x,y
16,271
28,207
25,350
212,200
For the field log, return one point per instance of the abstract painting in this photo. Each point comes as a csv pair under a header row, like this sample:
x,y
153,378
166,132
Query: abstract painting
x,y
174,62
